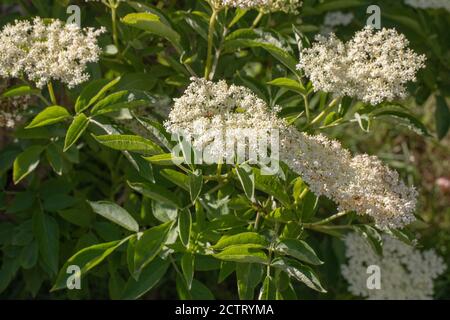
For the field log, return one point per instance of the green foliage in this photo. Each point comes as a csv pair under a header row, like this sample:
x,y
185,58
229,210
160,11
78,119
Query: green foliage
x,y
92,181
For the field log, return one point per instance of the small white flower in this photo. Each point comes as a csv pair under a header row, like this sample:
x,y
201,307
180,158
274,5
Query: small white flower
x,y
374,66
406,273
44,51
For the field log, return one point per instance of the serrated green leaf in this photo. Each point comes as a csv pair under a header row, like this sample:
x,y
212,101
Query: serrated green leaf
x,y
148,278
76,129
184,226
115,213
129,143
298,249
242,254
151,23
299,272
149,244
86,259
48,116
26,162
245,238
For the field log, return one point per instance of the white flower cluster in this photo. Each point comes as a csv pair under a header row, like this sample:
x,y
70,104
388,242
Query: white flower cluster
x,y
373,66
429,4
12,109
288,6
44,51
406,273
362,183
217,117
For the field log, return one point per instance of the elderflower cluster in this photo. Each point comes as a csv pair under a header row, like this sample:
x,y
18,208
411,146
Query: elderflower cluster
x,y
360,183
44,51
216,118
406,273
373,66
209,110
429,4
12,109
288,6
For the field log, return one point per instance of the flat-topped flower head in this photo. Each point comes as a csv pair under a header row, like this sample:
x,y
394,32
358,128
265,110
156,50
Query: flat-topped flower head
x,y
374,66
406,272
44,51
288,6
210,113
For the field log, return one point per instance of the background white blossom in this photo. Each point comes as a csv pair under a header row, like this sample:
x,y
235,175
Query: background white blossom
x,y
406,272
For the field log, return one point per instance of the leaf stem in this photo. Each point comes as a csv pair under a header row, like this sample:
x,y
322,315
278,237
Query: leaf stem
x,y
51,92
325,111
209,56
329,219
257,19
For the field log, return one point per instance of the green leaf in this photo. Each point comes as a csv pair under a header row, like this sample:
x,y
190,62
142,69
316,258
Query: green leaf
x,y
116,214
93,92
116,101
410,120
55,159
372,237
149,277
298,249
232,42
46,232
129,143
248,276
157,129
299,272
176,177
150,244
247,179
86,259
76,129
187,267
19,90
155,192
246,238
268,289
289,84
26,162
442,116
242,253
48,116
195,184
151,23
165,159
184,226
